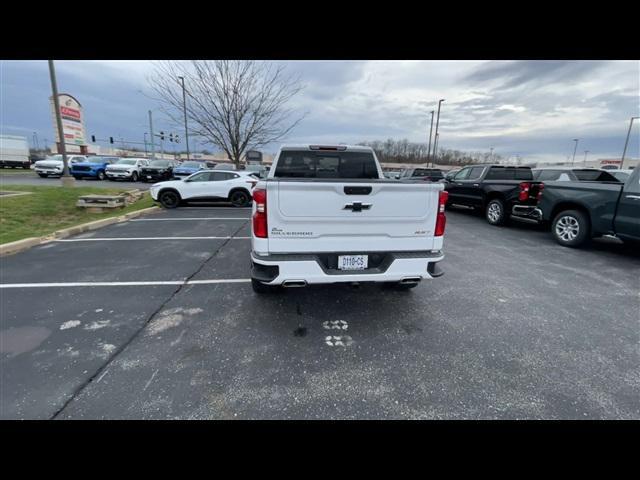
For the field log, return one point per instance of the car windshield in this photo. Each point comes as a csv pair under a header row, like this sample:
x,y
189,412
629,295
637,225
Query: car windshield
x,y
191,164
159,163
126,161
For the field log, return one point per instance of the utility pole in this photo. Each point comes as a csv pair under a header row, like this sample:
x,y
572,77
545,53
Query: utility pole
x,y
66,179
574,150
435,146
145,144
153,140
184,107
430,132
585,157
624,152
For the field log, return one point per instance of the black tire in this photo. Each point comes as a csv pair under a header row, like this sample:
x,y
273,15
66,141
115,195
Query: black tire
x,y
261,288
134,177
496,213
43,175
170,199
571,228
239,198
101,176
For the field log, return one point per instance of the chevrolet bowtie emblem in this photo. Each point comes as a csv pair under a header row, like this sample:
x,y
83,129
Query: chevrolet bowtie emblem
x,y
357,206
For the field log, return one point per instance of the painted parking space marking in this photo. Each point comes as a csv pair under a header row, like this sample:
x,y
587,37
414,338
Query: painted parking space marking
x,y
123,284
335,325
338,341
125,239
184,219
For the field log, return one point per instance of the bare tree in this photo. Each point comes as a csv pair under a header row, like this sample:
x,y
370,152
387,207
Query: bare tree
x,y
235,105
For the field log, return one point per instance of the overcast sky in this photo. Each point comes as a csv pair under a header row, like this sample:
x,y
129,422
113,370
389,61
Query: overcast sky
x,y
529,108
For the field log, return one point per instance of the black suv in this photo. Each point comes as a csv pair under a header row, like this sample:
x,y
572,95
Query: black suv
x,y
501,191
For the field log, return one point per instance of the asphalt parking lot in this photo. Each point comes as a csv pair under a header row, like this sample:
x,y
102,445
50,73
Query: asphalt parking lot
x,y
155,318
17,177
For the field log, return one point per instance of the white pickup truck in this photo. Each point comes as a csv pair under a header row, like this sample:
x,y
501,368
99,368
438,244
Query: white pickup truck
x,y
327,214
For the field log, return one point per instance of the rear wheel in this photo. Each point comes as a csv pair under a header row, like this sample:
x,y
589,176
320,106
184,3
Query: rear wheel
x,y
101,175
495,212
169,199
134,177
570,228
260,287
239,198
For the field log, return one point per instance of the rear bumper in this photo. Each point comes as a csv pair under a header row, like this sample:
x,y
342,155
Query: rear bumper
x,y
310,269
527,211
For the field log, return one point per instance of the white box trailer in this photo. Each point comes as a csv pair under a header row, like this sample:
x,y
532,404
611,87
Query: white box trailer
x,y
14,151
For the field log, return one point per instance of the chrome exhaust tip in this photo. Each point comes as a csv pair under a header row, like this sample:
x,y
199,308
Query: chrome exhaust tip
x,y
410,280
294,283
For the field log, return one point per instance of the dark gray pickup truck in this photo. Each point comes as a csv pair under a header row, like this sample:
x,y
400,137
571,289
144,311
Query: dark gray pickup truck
x,y
579,211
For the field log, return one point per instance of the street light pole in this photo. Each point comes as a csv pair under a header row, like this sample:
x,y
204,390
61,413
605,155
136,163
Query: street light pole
x,y
145,144
430,133
153,140
435,146
184,107
624,152
491,155
585,157
66,179
574,150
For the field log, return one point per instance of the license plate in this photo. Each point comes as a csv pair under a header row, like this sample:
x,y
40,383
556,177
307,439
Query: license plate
x,y
352,262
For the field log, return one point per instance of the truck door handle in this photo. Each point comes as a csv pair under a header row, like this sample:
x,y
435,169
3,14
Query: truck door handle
x,y
459,184
476,184
635,197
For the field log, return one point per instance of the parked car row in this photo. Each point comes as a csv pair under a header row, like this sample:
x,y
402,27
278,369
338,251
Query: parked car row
x,y
101,167
578,204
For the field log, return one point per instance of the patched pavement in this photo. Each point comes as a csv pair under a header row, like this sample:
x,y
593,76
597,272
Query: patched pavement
x,y
518,327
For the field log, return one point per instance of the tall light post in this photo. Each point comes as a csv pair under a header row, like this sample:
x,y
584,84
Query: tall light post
x,y
491,155
153,140
435,145
184,108
66,179
145,144
35,137
585,157
574,150
624,152
430,133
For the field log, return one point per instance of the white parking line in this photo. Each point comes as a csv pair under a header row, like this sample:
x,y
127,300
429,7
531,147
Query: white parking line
x,y
123,284
124,239
187,218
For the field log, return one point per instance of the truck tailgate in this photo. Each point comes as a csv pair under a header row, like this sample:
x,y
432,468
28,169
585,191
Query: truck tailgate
x,y
392,216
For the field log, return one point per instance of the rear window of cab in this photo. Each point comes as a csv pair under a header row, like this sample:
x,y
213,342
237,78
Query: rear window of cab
x,y
310,164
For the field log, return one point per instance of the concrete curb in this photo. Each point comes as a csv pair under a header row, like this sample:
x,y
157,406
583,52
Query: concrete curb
x,y
26,243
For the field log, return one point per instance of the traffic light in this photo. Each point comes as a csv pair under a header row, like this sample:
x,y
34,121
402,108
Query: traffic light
x,y
177,139
110,139
93,138
171,137
162,136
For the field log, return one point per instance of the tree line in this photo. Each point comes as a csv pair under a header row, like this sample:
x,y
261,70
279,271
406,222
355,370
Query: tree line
x,y
404,151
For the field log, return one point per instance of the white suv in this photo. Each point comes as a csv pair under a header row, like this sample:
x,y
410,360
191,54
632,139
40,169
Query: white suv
x,y
126,168
53,165
206,185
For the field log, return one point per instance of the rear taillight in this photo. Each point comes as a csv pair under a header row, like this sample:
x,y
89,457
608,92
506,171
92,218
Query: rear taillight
x,y
260,216
524,191
441,219
540,190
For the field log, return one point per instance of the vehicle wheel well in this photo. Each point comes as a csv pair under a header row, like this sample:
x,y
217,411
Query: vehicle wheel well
x,y
241,189
491,196
169,189
570,206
